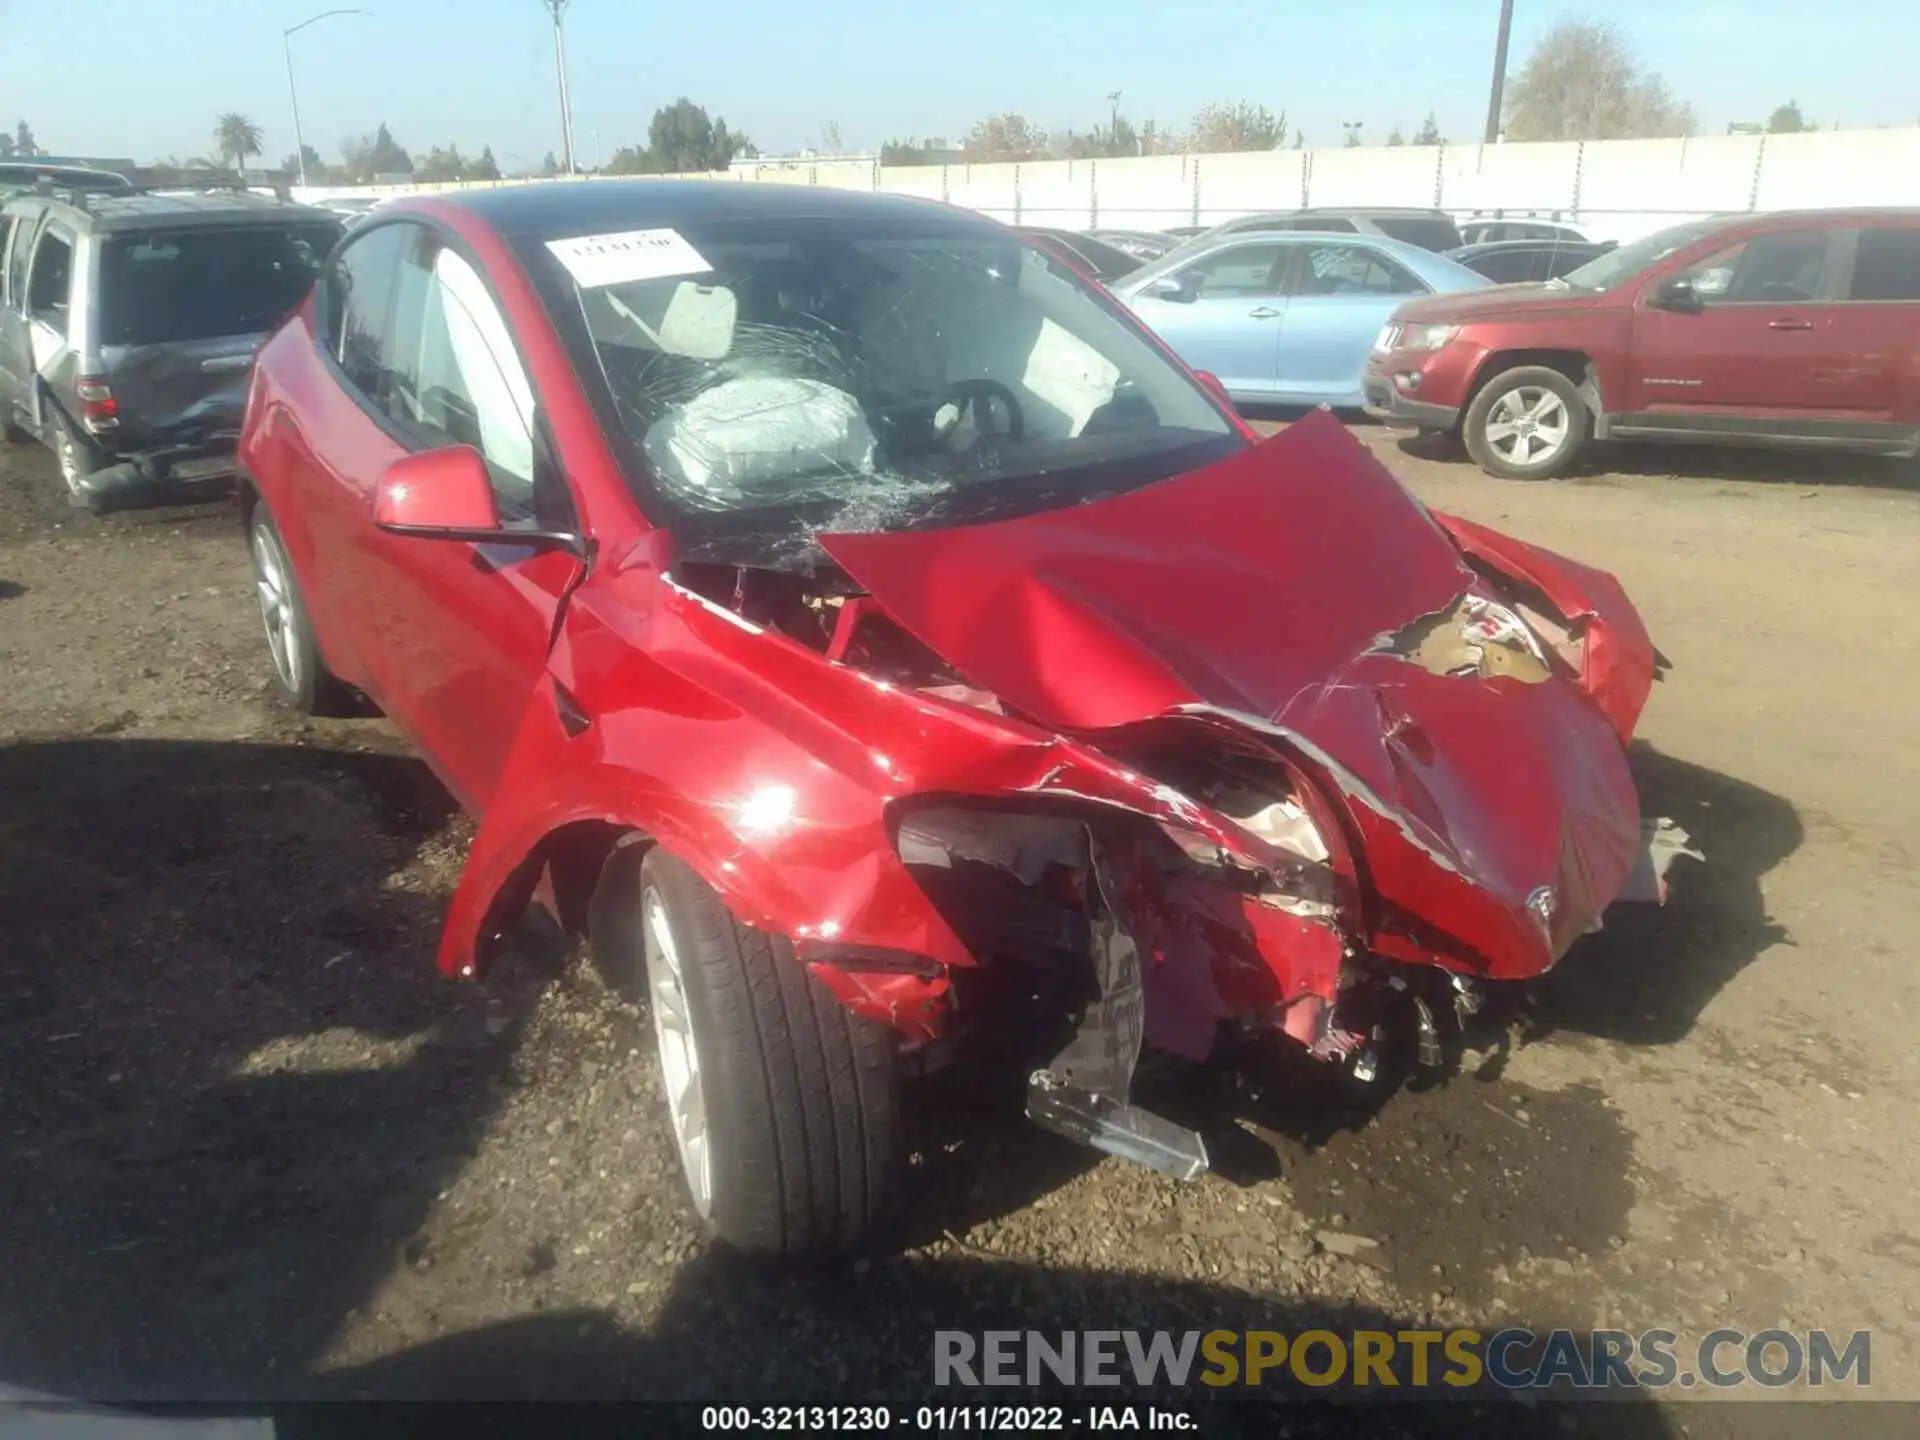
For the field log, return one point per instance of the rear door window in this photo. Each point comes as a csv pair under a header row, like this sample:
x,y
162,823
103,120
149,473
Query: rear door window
x,y
1238,271
1886,266
52,278
1349,270
1507,267
170,286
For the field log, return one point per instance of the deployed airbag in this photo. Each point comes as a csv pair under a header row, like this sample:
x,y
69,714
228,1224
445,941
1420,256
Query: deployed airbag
x,y
753,437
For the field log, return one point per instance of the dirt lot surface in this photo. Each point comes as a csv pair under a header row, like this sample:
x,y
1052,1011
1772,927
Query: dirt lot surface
x,y
251,1146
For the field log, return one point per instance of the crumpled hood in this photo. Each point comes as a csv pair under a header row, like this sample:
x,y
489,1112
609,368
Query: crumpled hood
x,y
1267,585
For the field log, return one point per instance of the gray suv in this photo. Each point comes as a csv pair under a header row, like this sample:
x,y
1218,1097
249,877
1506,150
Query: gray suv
x,y
129,321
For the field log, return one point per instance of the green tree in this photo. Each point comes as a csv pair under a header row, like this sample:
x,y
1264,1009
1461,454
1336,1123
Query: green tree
x,y
316,167
439,164
1224,129
1429,132
682,137
908,152
1396,137
23,142
1583,82
1005,136
486,167
235,138
1787,120
386,156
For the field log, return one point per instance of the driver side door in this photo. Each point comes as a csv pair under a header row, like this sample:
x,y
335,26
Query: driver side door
x,y
1229,319
462,630
1747,356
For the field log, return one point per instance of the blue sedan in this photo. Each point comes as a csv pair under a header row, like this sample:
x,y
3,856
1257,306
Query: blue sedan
x,y
1285,318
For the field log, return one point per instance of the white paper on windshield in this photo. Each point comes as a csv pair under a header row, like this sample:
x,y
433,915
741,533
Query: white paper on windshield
x,y
597,260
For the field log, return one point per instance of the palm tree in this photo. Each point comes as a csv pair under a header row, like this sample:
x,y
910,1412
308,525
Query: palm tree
x,y
235,137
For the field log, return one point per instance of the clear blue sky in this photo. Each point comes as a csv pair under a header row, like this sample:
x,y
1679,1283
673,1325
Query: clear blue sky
x,y
140,79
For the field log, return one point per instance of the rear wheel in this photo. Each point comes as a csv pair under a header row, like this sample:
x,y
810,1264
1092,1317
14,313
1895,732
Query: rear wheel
x,y
77,461
1528,423
786,1107
304,680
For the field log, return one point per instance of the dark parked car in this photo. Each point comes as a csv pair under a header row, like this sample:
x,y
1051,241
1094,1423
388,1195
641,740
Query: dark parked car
x,y
1429,229
1490,229
1524,262
129,322
1795,329
884,647
1097,258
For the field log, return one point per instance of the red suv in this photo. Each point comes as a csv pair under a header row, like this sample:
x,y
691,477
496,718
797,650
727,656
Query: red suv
x,y
878,643
1799,329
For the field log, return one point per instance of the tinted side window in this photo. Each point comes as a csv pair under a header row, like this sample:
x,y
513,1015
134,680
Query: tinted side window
x,y
1886,266
360,306
1240,270
47,287
1351,270
1506,267
455,378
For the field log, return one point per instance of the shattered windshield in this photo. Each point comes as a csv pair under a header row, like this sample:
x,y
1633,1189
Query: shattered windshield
x,y
758,367
1629,260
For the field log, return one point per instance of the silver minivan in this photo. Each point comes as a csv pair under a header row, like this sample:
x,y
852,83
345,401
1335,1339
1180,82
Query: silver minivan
x,y
129,322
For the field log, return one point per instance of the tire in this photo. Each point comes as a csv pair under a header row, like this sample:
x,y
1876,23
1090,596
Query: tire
x,y
77,460
1515,412
298,668
804,1148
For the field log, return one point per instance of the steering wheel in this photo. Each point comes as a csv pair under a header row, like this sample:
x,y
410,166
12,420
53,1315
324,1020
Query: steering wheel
x,y
974,393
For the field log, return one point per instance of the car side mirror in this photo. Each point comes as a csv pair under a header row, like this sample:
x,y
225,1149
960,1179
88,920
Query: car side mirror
x,y
447,494
1176,288
1676,292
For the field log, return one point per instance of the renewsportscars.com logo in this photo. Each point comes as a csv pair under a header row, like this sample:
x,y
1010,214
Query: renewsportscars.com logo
x,y
1411,1359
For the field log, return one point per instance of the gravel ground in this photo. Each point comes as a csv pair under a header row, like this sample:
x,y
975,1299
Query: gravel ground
x,y
252,1147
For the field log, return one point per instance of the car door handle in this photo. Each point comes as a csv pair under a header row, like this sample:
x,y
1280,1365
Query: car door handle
x,y
1789,324
1265,312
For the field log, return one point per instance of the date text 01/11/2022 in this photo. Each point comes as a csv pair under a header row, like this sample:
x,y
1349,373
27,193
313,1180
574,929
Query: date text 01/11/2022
x,y
980,1419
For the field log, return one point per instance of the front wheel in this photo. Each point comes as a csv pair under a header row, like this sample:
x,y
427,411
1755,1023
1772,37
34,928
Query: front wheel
x,y
1528,423
786,1108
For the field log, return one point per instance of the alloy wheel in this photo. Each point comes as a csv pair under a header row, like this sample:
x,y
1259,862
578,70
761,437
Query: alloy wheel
x,y
272,583
1529,425
679,1052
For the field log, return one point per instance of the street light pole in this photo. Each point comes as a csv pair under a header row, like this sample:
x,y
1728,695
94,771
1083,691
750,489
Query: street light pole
x,y
1499,72
558,9
293,91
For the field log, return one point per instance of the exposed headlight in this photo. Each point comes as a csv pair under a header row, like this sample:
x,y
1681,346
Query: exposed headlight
x,y
1426,337
1386,340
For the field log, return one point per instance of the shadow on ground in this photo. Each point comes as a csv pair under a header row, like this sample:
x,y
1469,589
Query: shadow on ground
x,y
1646,977
192,1193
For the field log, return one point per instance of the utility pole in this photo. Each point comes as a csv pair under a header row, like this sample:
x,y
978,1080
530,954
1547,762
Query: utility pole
x,y
293,91
1499,72
558,9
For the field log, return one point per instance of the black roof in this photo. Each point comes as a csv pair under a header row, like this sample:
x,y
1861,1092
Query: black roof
x,y
557,209
143,210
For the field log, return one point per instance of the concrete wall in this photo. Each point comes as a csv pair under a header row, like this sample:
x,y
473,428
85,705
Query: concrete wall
x,y
1614,188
